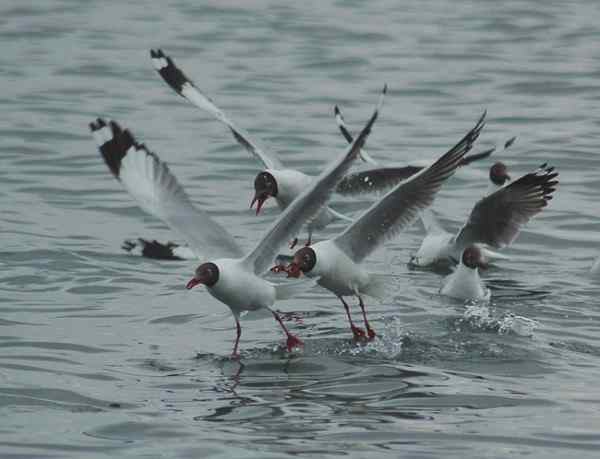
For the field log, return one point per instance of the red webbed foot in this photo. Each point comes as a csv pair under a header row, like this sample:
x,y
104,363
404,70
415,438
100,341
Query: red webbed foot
x,y
358,333
293,342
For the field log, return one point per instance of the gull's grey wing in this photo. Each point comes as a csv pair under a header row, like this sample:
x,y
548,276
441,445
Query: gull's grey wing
x,y
382,179
375,180
150,182
497,219
308,204
401,206
183,86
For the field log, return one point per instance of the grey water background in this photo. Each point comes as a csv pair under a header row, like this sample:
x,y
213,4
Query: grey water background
x,y
104,354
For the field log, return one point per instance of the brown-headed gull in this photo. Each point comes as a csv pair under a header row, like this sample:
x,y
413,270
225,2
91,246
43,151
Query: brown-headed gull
x,y
275,180
336,263
495,220
229,275
464,283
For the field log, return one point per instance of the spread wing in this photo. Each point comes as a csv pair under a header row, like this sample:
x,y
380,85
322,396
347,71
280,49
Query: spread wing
x,y
375,180
378,180
497,219
150,182
306,206
183,86
401,206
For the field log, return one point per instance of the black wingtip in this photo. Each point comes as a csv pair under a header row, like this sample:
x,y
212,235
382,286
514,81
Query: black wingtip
x,y
336,111
170,73
152,249
509,142
156,53
114,149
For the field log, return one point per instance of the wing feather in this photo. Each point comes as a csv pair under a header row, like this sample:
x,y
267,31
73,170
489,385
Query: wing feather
x,y
150,182
497,219
382,179
183,86
308,204
401,206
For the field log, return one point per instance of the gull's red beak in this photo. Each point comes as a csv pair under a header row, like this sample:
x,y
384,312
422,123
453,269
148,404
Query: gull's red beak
x,y
193,282
293,270
259,198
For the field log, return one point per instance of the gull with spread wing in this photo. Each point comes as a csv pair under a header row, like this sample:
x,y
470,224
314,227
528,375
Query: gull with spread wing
x,y
336,263
382,179
230,276
495,220
276,180
464,283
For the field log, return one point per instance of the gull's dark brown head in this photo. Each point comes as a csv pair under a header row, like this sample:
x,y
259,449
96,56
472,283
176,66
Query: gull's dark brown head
x,y
472,257
499,174
265,186
206,273
304,261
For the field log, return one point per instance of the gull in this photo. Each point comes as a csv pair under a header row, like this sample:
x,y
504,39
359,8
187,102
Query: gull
x,y
380,180
464,283
229,275
495,220
275,180
337,263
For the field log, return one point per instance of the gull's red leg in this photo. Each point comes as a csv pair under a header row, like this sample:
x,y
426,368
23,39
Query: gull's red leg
x,y
235,354
292,340
356,331
370,331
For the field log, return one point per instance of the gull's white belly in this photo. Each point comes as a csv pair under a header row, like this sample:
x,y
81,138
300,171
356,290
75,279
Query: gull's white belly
x,y
240,289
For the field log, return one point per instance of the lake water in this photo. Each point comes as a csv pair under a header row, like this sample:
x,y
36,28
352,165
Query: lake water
x,y
108,355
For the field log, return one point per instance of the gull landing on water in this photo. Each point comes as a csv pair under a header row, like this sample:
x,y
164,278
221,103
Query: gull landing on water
x,y
464,283
495,221
337,263
230,276
275,180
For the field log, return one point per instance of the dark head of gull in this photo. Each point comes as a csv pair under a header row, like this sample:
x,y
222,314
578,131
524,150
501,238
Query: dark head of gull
x,y
206,273
499,174
265,186
304,261
471,257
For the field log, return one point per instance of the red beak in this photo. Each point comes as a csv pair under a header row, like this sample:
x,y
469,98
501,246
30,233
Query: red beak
x,y
293,270
259,198
193,282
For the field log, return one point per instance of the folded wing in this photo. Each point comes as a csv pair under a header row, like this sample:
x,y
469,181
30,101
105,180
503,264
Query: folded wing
x,y
401,206
150,182
183,86
497,219
308,204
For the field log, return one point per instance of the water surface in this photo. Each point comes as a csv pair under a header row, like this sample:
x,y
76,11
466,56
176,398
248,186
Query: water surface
x,y
107,355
